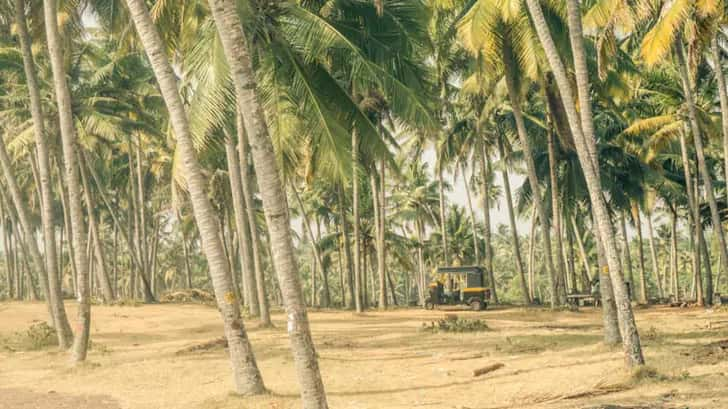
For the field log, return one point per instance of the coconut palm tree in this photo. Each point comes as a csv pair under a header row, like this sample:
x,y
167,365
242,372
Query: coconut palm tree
x,y
245,371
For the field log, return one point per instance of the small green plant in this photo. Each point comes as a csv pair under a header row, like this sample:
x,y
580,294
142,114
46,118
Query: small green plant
x,y
455,324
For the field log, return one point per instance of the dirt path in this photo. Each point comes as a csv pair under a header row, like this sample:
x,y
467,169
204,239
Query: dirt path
x,y
374,360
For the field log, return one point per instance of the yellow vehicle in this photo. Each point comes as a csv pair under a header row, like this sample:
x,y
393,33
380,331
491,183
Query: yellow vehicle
x,y
459,286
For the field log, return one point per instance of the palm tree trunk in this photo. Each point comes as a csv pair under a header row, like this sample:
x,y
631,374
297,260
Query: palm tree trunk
x,y
245,370
55,297
246,181
703,167
485,172
533,182
69,232
102,272
673,256
532,258
443,219
141,208
185,251
355,214
326,292
382,254
274,202
347,247
473,227
127,234
512,220
309,233
585,146
382,300
556,216
640,251
68,136
241,224
422,284
627,253
723,95
653,255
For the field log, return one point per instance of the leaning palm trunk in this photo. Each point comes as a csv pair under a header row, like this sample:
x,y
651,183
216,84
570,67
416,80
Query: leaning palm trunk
x,y
274,202
702,167
55,298
245,370
589,163
241,224
514,229
68,137
533,182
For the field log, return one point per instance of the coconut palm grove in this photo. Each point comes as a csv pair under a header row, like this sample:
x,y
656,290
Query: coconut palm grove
x,y
363,204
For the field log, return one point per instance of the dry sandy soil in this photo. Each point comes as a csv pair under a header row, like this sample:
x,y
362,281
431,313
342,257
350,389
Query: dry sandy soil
x,y
374,360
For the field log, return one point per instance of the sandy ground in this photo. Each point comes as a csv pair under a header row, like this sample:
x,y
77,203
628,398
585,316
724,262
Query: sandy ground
x,y
374,360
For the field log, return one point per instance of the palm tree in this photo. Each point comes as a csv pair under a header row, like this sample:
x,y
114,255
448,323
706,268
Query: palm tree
x,y
69,138
274,201
587,156
54,298
245,370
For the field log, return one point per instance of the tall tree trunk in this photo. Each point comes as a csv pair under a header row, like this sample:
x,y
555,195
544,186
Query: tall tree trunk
x,y
532,258
723,95
98,249
69,230
245,370
673,255
246,180
653,255
326,292
56,311
274,203
640,251
693,211
241,224
382,300
421,284
55,296
512,220
141,208
473,225
585,146
127,234
443,218
382,253
355,214
68,137
318,263
185,251
533,181
347,248
486,172
556,216
702,166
